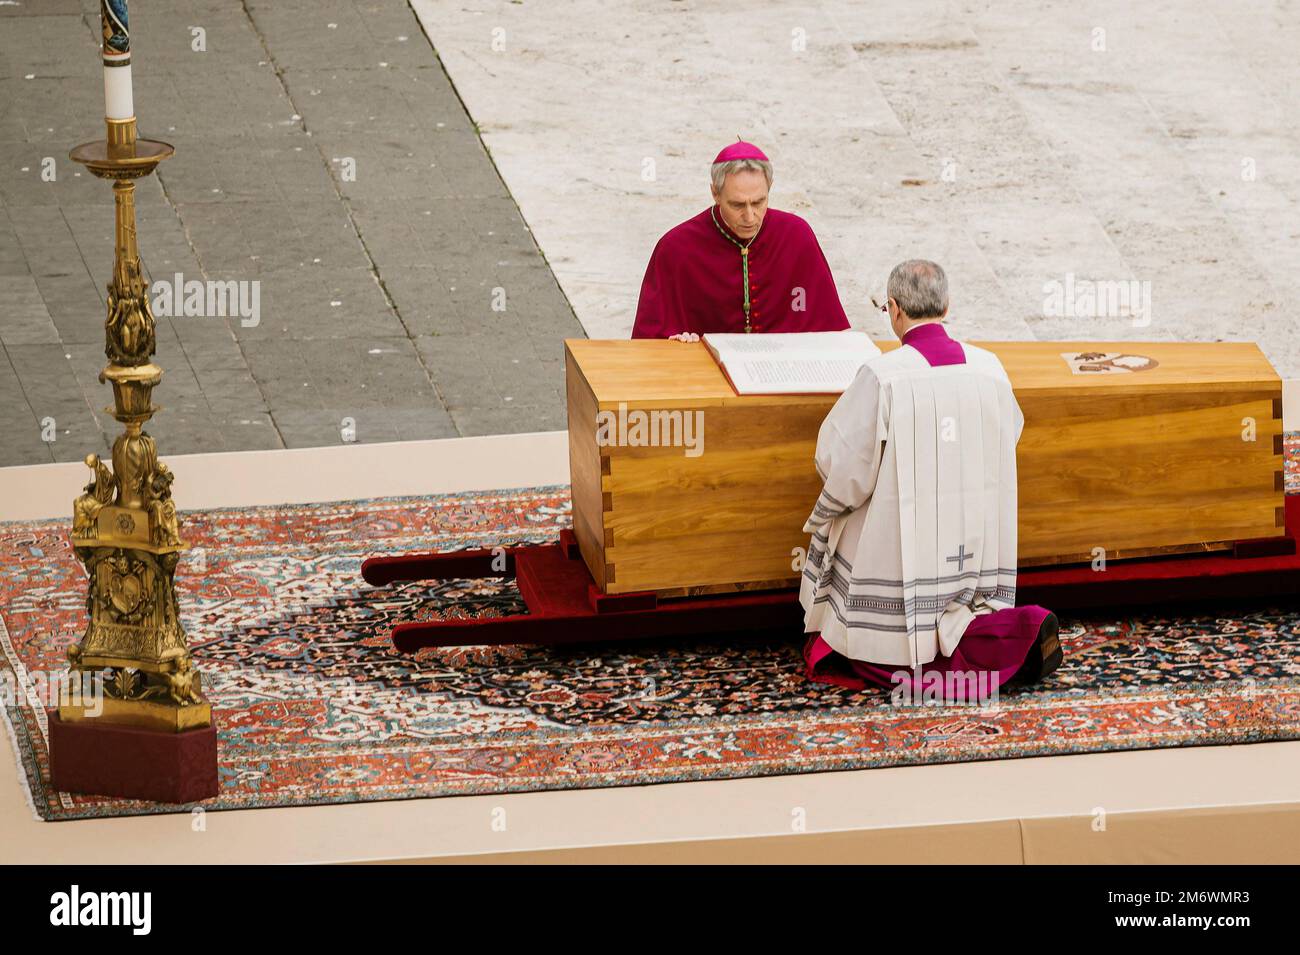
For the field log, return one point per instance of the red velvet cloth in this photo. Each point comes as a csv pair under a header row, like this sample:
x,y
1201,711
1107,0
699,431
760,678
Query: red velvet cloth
x,y
694,281
108,759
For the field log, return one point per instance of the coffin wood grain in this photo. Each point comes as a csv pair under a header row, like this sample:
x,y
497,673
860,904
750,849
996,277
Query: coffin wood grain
x,y
1135,464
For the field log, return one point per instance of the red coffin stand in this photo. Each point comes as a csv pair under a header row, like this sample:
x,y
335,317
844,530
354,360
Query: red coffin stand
x,y
564,605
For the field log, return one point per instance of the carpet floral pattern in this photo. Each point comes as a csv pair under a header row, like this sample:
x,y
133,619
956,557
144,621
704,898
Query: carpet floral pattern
x,y
313,705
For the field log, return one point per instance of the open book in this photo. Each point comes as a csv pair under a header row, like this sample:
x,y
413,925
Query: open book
x,y
791,363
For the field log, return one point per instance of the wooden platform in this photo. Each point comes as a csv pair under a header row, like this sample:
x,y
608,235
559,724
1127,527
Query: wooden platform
x,y
1182,456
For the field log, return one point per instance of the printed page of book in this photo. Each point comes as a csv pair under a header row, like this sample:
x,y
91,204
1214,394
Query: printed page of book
x,y
791,363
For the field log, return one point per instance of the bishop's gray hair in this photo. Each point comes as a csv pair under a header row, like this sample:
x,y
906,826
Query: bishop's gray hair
x,y
920,288
719,171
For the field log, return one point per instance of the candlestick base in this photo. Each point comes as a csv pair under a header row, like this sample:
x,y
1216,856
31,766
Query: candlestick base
x,y
128,762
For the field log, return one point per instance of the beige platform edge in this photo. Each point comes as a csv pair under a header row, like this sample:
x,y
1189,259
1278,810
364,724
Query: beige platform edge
x,y
1213,804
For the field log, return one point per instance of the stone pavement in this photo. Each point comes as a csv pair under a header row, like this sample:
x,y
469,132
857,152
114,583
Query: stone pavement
x,y
1023,145
322,153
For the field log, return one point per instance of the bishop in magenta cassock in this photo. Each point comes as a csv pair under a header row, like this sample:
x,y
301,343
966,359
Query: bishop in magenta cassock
x,y
738,266
910,579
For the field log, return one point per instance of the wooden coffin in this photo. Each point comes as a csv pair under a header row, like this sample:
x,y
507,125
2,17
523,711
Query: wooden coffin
x,y
1183,455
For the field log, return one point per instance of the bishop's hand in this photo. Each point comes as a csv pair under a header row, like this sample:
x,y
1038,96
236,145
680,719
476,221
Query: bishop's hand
x,y
684,337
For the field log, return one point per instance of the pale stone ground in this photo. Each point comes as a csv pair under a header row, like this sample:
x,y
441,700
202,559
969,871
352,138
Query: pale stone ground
x,y
379,293
1168,157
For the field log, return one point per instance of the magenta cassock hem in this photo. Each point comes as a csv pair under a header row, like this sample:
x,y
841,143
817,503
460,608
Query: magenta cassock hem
x,y
995,642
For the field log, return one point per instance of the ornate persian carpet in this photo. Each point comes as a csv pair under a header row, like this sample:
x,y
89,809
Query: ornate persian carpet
x,y
313,706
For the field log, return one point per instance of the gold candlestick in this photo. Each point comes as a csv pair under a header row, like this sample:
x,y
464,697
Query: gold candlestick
x,y
125,530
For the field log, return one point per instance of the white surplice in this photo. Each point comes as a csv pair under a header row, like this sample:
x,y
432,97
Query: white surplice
x,y
914,533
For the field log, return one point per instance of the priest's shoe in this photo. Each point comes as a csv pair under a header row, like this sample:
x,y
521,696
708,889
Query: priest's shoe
x,y
1044,655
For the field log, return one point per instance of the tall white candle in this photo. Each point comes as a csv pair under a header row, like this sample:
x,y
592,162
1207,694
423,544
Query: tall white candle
x,y
118,101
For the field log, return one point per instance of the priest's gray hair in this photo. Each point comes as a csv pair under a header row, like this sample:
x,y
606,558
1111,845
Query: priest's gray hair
x,y
920,288
721,170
